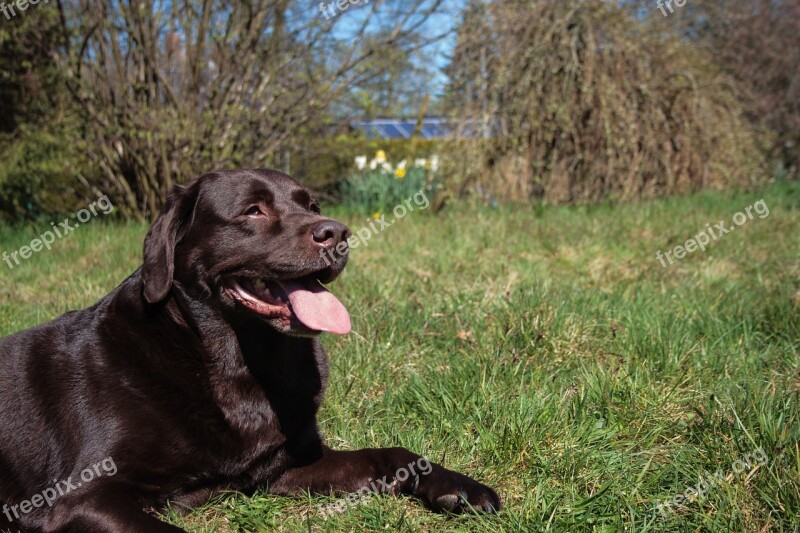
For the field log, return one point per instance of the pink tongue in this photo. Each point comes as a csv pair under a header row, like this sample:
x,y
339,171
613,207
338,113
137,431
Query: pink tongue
x,y
317,308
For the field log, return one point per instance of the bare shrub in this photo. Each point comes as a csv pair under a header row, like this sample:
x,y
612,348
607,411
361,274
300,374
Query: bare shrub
x,y
577,101
758,43
170,89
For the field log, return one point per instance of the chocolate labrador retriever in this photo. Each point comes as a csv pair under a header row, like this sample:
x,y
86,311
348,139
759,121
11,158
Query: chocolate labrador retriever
x,y
202,372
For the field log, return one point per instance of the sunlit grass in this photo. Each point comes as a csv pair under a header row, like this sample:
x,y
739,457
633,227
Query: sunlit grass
x,y
544,351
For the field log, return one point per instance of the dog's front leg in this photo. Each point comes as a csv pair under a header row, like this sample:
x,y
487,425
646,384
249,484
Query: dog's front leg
x,y
390,470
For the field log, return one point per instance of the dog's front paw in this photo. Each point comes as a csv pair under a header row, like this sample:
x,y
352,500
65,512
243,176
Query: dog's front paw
x,y
451,492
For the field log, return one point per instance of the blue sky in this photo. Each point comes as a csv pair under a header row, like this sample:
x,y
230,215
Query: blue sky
x,y
348,22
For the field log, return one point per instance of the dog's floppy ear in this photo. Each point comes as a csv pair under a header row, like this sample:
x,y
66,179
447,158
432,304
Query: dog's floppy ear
x,y
163,236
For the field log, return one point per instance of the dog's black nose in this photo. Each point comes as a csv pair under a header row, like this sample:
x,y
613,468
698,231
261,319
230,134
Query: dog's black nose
x,y
329,233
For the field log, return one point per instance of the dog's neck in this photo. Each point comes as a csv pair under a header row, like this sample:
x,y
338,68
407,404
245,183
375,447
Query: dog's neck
x,y
265,364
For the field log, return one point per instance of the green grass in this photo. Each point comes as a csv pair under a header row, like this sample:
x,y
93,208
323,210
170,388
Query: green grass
x,y
543,351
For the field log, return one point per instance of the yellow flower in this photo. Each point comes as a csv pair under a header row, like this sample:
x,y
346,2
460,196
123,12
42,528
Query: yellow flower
x,y
400,173
380,156
377,215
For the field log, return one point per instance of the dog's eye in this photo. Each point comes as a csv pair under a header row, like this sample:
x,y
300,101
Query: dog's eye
x,y
254,211
315,208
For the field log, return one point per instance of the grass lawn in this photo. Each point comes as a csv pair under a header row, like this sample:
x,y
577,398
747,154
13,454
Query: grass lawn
x,y
543,351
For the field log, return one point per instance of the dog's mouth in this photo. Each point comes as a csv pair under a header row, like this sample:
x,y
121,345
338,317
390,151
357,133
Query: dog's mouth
x,y
304,300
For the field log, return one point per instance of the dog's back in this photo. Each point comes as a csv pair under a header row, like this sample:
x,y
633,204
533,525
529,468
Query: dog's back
x,y
31,370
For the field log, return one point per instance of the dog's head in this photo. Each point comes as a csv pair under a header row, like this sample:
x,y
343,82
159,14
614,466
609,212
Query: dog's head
x,y
252,242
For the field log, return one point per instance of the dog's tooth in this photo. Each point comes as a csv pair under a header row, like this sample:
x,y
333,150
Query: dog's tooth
x,y
260,284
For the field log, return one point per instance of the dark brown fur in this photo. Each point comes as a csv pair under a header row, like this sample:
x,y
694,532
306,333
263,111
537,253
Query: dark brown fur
x,y
188,392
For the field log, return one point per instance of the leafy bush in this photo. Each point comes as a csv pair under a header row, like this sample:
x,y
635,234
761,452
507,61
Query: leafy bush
x,y
40,174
